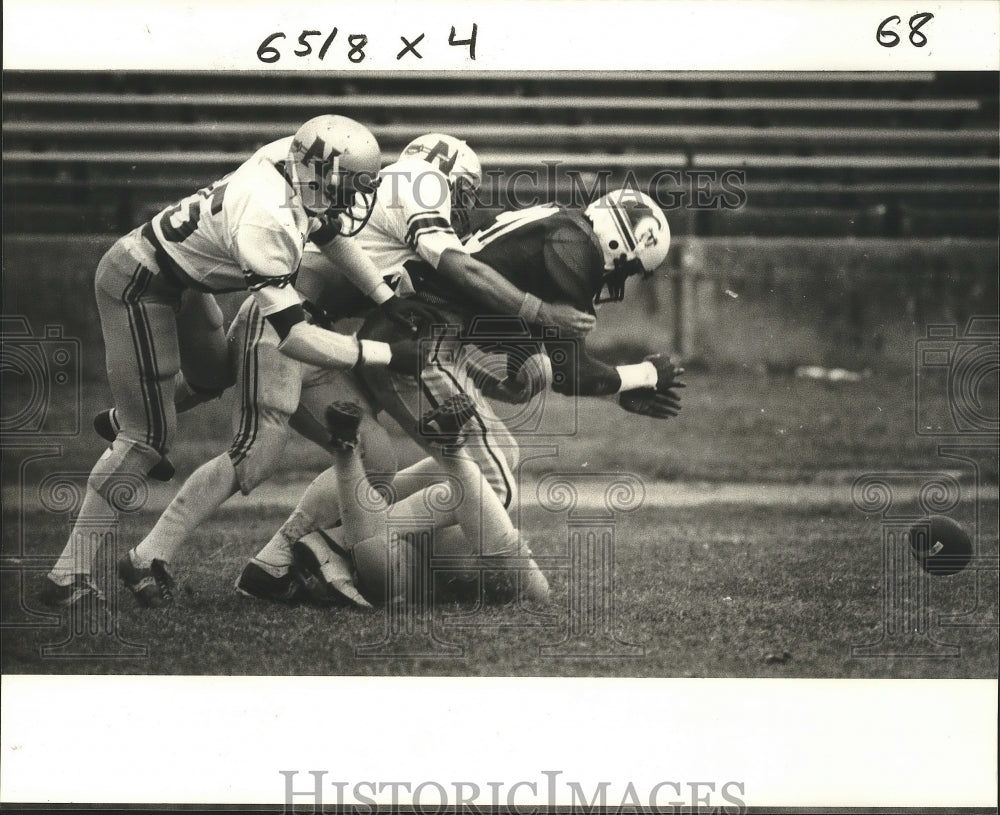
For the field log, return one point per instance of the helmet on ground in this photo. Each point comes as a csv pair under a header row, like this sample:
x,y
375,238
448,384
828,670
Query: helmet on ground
x,y
634,237
461,167
333,158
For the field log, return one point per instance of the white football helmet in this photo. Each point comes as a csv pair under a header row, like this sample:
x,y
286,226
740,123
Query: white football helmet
x,y
332,158
461,166
634,236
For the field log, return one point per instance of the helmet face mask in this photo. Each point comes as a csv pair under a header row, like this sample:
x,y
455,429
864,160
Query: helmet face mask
x,y
331,159
461,167
634,237
463,201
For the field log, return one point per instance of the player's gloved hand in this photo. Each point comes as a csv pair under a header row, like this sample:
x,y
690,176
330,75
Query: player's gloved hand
x,y
406,358
648,402
409,314
570,321
667,373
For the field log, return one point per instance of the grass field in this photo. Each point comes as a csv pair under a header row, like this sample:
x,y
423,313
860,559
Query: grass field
x,y
721,589
704,591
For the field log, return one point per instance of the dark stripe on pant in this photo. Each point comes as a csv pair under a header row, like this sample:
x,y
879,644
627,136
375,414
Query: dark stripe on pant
x,y
145,354
249,415
508,492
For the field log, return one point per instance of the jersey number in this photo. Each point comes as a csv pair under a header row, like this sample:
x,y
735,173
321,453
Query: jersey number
x,y
175,234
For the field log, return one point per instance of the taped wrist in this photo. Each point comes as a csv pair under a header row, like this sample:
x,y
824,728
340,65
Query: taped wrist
x,y
373,353
531,307
642,375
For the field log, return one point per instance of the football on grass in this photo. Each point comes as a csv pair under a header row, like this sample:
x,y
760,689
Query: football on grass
x,y
942,547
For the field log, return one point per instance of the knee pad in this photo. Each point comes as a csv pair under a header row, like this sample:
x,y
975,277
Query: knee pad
x,y
255,451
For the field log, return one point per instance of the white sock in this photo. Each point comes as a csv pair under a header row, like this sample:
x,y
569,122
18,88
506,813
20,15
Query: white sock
x,y
94,526
317,509
203,493
276,556
319,501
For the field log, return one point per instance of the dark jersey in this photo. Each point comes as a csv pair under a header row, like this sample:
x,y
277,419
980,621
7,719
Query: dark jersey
x,y
553,254
546,251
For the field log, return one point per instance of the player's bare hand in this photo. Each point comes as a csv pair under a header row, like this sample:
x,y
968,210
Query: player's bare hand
x,y
647,402
570,321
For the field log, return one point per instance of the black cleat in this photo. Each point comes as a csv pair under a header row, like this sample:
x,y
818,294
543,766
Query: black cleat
x,y
106,426
343,420
152,587
309,555
260,584
163,470
444,424
80,591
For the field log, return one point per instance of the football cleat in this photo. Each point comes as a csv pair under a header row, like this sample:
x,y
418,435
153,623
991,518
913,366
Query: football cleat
x,y
343,420
106,425
81,590
152,587
260,584
312,556
444,424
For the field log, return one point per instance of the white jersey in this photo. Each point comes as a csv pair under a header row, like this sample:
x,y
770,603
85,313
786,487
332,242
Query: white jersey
x,y
245,231
411,220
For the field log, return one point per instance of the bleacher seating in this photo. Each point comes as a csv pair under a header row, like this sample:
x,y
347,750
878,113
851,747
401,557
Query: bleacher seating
x,y
828,154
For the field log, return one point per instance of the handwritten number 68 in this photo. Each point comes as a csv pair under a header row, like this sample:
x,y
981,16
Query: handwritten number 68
x,y
888,38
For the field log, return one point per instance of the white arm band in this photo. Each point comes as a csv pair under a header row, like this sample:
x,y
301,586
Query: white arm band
x,y
358,267
642,375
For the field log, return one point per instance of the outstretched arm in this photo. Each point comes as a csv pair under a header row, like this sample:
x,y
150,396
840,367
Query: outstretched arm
x,y
492,291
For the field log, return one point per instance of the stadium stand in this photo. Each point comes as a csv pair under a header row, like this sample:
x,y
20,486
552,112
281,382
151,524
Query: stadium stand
x,y
827,154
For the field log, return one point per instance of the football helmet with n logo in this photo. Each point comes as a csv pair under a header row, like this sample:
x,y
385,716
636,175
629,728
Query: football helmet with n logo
x,y
331,160
634,237
461,167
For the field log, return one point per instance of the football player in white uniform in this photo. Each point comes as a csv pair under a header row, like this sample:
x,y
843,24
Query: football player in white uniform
x,y
246,231
410,236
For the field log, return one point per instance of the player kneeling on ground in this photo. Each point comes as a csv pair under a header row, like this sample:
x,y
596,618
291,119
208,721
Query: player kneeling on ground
x,y
361,563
